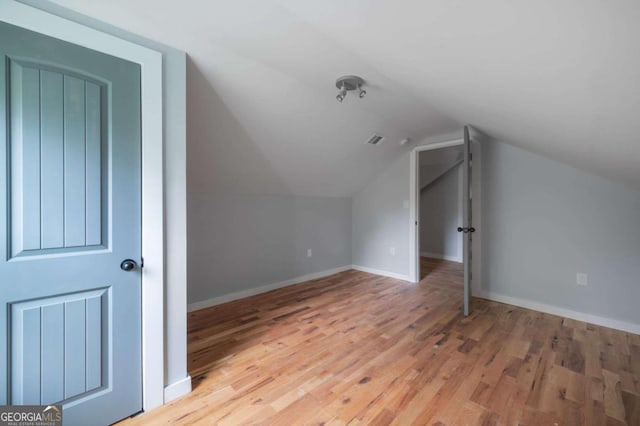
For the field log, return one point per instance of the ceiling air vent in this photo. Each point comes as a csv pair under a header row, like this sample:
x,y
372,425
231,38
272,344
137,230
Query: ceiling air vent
x,y
375,140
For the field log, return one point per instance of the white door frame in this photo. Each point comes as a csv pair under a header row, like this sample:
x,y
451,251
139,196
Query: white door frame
x,y
414,204
153,273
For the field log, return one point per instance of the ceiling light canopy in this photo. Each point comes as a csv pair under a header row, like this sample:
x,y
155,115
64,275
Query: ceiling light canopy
x,y
349,83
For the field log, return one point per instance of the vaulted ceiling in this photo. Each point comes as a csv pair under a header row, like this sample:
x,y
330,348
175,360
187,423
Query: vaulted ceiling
x,y
560,78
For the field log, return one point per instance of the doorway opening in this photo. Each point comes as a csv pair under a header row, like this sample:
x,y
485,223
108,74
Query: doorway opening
x,y
445,180
440,201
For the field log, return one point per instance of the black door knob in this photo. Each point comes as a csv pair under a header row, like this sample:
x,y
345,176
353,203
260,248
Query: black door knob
x,y
128,265
466,230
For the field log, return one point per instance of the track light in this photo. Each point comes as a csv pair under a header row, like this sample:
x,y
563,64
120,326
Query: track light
x,y
348,83
342,94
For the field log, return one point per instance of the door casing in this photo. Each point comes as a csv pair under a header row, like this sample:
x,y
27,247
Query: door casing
x,y
153,240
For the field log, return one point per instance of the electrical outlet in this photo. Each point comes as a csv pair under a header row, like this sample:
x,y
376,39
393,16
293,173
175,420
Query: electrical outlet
x,y
581,278
392,251
309,253
405,204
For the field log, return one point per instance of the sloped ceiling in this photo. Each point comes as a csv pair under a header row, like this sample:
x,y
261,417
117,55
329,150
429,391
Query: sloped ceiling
x,y
435,163
560,78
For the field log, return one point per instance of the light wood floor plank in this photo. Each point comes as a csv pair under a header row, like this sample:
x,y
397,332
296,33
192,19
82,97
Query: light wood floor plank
x,y
356,348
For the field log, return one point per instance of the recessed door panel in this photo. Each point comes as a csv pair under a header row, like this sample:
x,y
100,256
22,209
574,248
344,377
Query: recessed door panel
x,y
57,165
59,347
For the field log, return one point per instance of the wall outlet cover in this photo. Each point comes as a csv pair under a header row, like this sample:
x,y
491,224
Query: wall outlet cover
x,y
581,279
309,253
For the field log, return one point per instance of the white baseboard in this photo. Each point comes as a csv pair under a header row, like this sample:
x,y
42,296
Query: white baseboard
x,y
263,289
380,272
177,389
562,312
440,256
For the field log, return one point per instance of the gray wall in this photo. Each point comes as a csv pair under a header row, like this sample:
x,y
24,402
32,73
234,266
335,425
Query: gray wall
x,y
381,220
541,222
427,173
544,221
246,226
240,242
441,214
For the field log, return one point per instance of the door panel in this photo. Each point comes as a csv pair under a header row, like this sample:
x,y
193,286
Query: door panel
x,y
51,169
468,226
56,203
70,318
57,347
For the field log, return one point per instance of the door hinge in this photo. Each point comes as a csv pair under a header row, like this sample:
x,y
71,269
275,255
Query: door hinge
x,y
142,262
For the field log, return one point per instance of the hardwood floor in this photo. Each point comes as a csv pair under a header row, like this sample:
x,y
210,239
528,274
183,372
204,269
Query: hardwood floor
x,y
356,348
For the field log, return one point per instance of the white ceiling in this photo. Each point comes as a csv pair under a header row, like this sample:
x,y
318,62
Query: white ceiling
x,y
560,78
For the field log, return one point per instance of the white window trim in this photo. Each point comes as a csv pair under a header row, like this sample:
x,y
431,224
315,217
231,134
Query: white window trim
x,y
153,274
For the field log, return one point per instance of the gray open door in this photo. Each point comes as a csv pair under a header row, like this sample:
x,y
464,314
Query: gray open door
x,y
467,228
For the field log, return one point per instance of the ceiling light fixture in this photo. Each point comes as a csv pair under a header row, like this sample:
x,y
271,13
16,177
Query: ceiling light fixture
x,y
341,94
348,83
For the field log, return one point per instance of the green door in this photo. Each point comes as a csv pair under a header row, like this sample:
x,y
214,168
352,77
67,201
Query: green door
x,y
70,189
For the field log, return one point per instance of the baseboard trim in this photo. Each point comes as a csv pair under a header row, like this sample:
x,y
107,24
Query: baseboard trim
x,y
440,256
177,389
562,312
380,272
263,289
